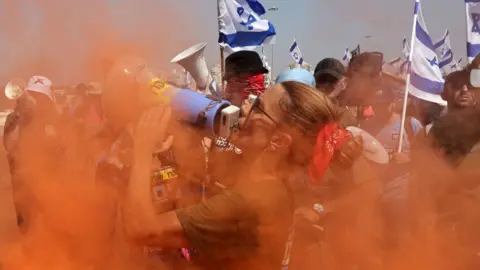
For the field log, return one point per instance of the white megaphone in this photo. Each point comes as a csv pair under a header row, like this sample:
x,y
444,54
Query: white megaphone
x,y
373,150
193,61
15,88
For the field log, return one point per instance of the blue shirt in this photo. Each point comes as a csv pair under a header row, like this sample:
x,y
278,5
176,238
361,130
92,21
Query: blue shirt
x,y
394,176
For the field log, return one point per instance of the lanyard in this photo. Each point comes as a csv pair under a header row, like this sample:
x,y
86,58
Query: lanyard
x,y
288,248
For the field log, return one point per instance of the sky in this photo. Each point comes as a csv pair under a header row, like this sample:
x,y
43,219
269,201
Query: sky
x,y
61,38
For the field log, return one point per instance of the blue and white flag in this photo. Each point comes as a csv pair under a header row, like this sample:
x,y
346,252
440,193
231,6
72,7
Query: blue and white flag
x,y
241,27
443,45
426,81
347,56
445,55
472,8
296,53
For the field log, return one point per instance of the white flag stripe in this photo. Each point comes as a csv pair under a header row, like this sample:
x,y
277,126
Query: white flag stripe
x,y
426,81
472,9
241,27
296,53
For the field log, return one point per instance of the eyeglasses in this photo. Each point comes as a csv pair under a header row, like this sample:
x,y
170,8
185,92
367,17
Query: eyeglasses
x,y
293,118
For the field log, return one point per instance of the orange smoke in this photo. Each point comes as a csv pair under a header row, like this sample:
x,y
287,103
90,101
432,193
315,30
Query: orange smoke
x,y
69,42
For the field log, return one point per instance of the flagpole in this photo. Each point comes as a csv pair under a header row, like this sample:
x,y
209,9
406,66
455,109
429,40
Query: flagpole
x,y
222,50
271,69
467,30
272,9
407,81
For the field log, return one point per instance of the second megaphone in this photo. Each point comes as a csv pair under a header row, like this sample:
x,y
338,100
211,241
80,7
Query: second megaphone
x,y
193,61
15,88
218,117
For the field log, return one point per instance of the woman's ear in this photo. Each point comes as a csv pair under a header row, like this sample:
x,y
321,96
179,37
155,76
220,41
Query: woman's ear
x,y
280,140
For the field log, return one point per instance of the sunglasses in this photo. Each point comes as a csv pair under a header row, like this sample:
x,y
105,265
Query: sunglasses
x,y
256,105
255,101
457,81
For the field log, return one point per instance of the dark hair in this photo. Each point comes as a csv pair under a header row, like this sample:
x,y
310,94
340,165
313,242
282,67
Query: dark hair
x,y
455,80
373,59
456,133
307,108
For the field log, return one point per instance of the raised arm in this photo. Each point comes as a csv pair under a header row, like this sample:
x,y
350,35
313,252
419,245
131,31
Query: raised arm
x,y
142,224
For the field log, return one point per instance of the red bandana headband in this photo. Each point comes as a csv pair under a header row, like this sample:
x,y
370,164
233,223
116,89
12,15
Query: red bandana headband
x,y
330,139
255,85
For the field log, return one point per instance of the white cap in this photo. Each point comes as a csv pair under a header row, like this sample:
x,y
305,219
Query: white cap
x,y
40,84
475,77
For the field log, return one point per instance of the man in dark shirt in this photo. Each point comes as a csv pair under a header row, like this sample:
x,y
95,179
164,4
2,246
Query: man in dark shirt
x,y
330,76
34,117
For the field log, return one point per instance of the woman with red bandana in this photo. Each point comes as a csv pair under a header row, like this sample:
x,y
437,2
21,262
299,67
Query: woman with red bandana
x,y
244,226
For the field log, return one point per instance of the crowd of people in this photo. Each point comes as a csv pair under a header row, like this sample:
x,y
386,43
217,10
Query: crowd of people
x,y
292,188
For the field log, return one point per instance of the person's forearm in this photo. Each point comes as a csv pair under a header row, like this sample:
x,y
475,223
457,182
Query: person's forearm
x,y
139,213
142,224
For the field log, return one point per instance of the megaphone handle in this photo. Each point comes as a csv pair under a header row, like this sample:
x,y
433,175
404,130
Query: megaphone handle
x,y
203,86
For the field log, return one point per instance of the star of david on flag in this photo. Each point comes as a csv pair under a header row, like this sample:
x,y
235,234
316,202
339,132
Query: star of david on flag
x,y
347,56
475,19
445,54
432,62
296,53
473,28
426,80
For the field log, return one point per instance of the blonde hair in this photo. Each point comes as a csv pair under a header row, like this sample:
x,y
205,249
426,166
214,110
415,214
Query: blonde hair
x,y
310,110
307,108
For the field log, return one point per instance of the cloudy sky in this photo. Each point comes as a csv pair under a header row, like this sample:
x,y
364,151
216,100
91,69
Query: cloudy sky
x,y
62,38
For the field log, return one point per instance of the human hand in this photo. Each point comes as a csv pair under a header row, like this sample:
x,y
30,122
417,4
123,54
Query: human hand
x,y
165,145
150,130
349,153
340,86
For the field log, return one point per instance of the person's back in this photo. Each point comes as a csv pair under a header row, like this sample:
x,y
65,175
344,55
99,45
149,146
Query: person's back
x,y
258,212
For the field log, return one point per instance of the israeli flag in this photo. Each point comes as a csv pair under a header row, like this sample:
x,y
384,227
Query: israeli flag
x,y
443,45
403,63
443,48
241,27
296,53
347,56
426,81
472,9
